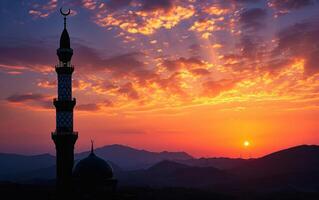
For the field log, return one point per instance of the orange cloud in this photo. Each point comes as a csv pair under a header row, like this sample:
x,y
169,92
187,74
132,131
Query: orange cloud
x,y
46,84
43,11
215,10
144,22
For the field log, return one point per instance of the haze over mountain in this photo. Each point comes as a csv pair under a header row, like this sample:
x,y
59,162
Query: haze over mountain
x,y
299,159
11,164
121,157
131,159
219,163
172,174
295,168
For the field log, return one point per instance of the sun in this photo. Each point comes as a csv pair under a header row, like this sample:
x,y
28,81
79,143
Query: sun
x,y
246,143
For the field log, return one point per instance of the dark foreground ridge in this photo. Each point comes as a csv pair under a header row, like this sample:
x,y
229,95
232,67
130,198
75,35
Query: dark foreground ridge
x,y
288,174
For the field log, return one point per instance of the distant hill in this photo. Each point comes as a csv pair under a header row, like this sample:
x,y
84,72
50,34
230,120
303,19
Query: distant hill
x,y
173,174
129,158
219,163
296,168
21,167
304,158
11,164
166,167
293,169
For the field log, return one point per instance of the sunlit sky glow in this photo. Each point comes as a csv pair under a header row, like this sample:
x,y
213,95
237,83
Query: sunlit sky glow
x,y
199,76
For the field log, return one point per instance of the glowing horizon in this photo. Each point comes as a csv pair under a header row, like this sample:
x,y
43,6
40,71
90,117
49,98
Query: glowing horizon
x,y
203,77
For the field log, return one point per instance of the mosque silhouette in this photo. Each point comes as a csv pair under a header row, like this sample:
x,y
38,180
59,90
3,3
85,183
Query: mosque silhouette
x,y
92,176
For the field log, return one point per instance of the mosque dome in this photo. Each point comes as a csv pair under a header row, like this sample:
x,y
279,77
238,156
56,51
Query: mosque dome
x,y
94,176
93,169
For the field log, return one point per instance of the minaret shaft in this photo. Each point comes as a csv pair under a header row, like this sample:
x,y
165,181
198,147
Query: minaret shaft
x,y
64,87
64,116
64,137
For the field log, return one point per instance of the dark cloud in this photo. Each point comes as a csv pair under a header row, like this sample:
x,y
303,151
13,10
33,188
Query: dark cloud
x,y
32,99
144,76
200,71
214,88
195,49
233,60
284,6
116,4
107,85
27,55
151,5
275,64
231,57
125,63
89,59
175,65
108,103
129,65
249,1
129,91
146,5
88,107
253,19
251,46
26,97
301,41
33,56
251,43
172,84
86,60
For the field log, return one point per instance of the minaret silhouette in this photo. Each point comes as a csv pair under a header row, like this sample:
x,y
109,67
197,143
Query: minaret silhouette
x,y
64,137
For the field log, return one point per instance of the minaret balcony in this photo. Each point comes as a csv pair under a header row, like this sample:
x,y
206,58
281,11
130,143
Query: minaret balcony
x,y
64,105
64,133
64,69
65,54
64,139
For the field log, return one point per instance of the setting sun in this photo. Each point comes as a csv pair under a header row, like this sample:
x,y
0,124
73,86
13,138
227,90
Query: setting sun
x,y
246,143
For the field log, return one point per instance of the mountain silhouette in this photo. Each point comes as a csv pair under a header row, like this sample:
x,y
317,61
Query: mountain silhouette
x,y
294,169
15,164
219,163
304,158
173,174
166,167
21,167
129,158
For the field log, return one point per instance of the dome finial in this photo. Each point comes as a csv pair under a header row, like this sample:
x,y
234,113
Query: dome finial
x,y
92,147
65,14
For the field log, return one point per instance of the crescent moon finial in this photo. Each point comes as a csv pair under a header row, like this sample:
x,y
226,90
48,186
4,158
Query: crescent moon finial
x,y
92,146
65,14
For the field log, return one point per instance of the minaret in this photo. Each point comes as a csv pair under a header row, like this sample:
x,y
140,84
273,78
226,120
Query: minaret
x,y
64,137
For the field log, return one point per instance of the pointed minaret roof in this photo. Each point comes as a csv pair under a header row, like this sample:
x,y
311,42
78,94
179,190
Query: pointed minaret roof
x,y
65,38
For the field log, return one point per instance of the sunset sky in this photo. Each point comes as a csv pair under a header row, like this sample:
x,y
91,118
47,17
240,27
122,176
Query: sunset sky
x,y
201,76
